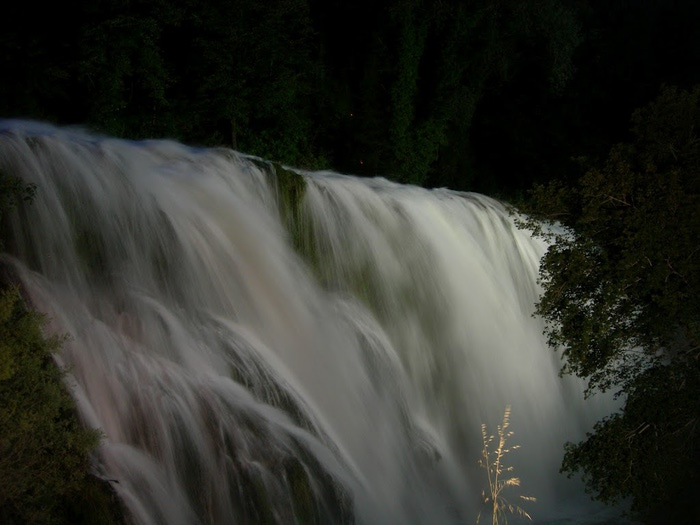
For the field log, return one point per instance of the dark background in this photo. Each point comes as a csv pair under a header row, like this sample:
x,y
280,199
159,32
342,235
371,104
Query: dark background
x,y
481,95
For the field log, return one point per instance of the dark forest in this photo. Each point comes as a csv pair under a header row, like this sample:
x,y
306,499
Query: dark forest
x,y
484,95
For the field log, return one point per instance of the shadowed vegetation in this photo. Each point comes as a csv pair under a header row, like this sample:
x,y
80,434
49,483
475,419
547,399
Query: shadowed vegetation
x,y
622,303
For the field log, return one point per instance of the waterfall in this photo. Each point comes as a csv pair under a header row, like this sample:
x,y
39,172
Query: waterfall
x,y
259,344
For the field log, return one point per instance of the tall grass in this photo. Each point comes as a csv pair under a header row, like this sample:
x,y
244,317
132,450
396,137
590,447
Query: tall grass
x,y
499,476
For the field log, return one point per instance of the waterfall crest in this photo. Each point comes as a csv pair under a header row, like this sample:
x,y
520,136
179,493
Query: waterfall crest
x,y
267,345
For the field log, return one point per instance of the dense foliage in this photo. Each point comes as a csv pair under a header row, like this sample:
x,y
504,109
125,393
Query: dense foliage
x,y
44,449
622,302
484,95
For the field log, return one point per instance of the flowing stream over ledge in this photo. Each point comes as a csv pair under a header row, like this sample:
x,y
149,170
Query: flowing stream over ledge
x,y
265,345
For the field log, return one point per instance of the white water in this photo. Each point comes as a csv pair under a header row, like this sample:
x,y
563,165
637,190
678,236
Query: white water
x,y
246,363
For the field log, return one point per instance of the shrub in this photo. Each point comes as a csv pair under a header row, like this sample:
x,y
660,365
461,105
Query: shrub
x,y
44,449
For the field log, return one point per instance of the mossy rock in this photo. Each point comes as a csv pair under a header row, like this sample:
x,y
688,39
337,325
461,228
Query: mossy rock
x,y
302,494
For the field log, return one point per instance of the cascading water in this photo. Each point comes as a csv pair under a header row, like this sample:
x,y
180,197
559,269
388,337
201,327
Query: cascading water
x,y
260,345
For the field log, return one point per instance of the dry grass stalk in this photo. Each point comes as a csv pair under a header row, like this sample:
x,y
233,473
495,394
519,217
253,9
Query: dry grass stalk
x,y
499,475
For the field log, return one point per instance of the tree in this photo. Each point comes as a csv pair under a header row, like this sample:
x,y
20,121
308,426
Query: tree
x,y
621,301
412,74
254,74
122,69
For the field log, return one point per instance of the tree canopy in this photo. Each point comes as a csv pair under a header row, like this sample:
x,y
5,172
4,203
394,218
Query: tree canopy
x,y
471,95
622,302
481,95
